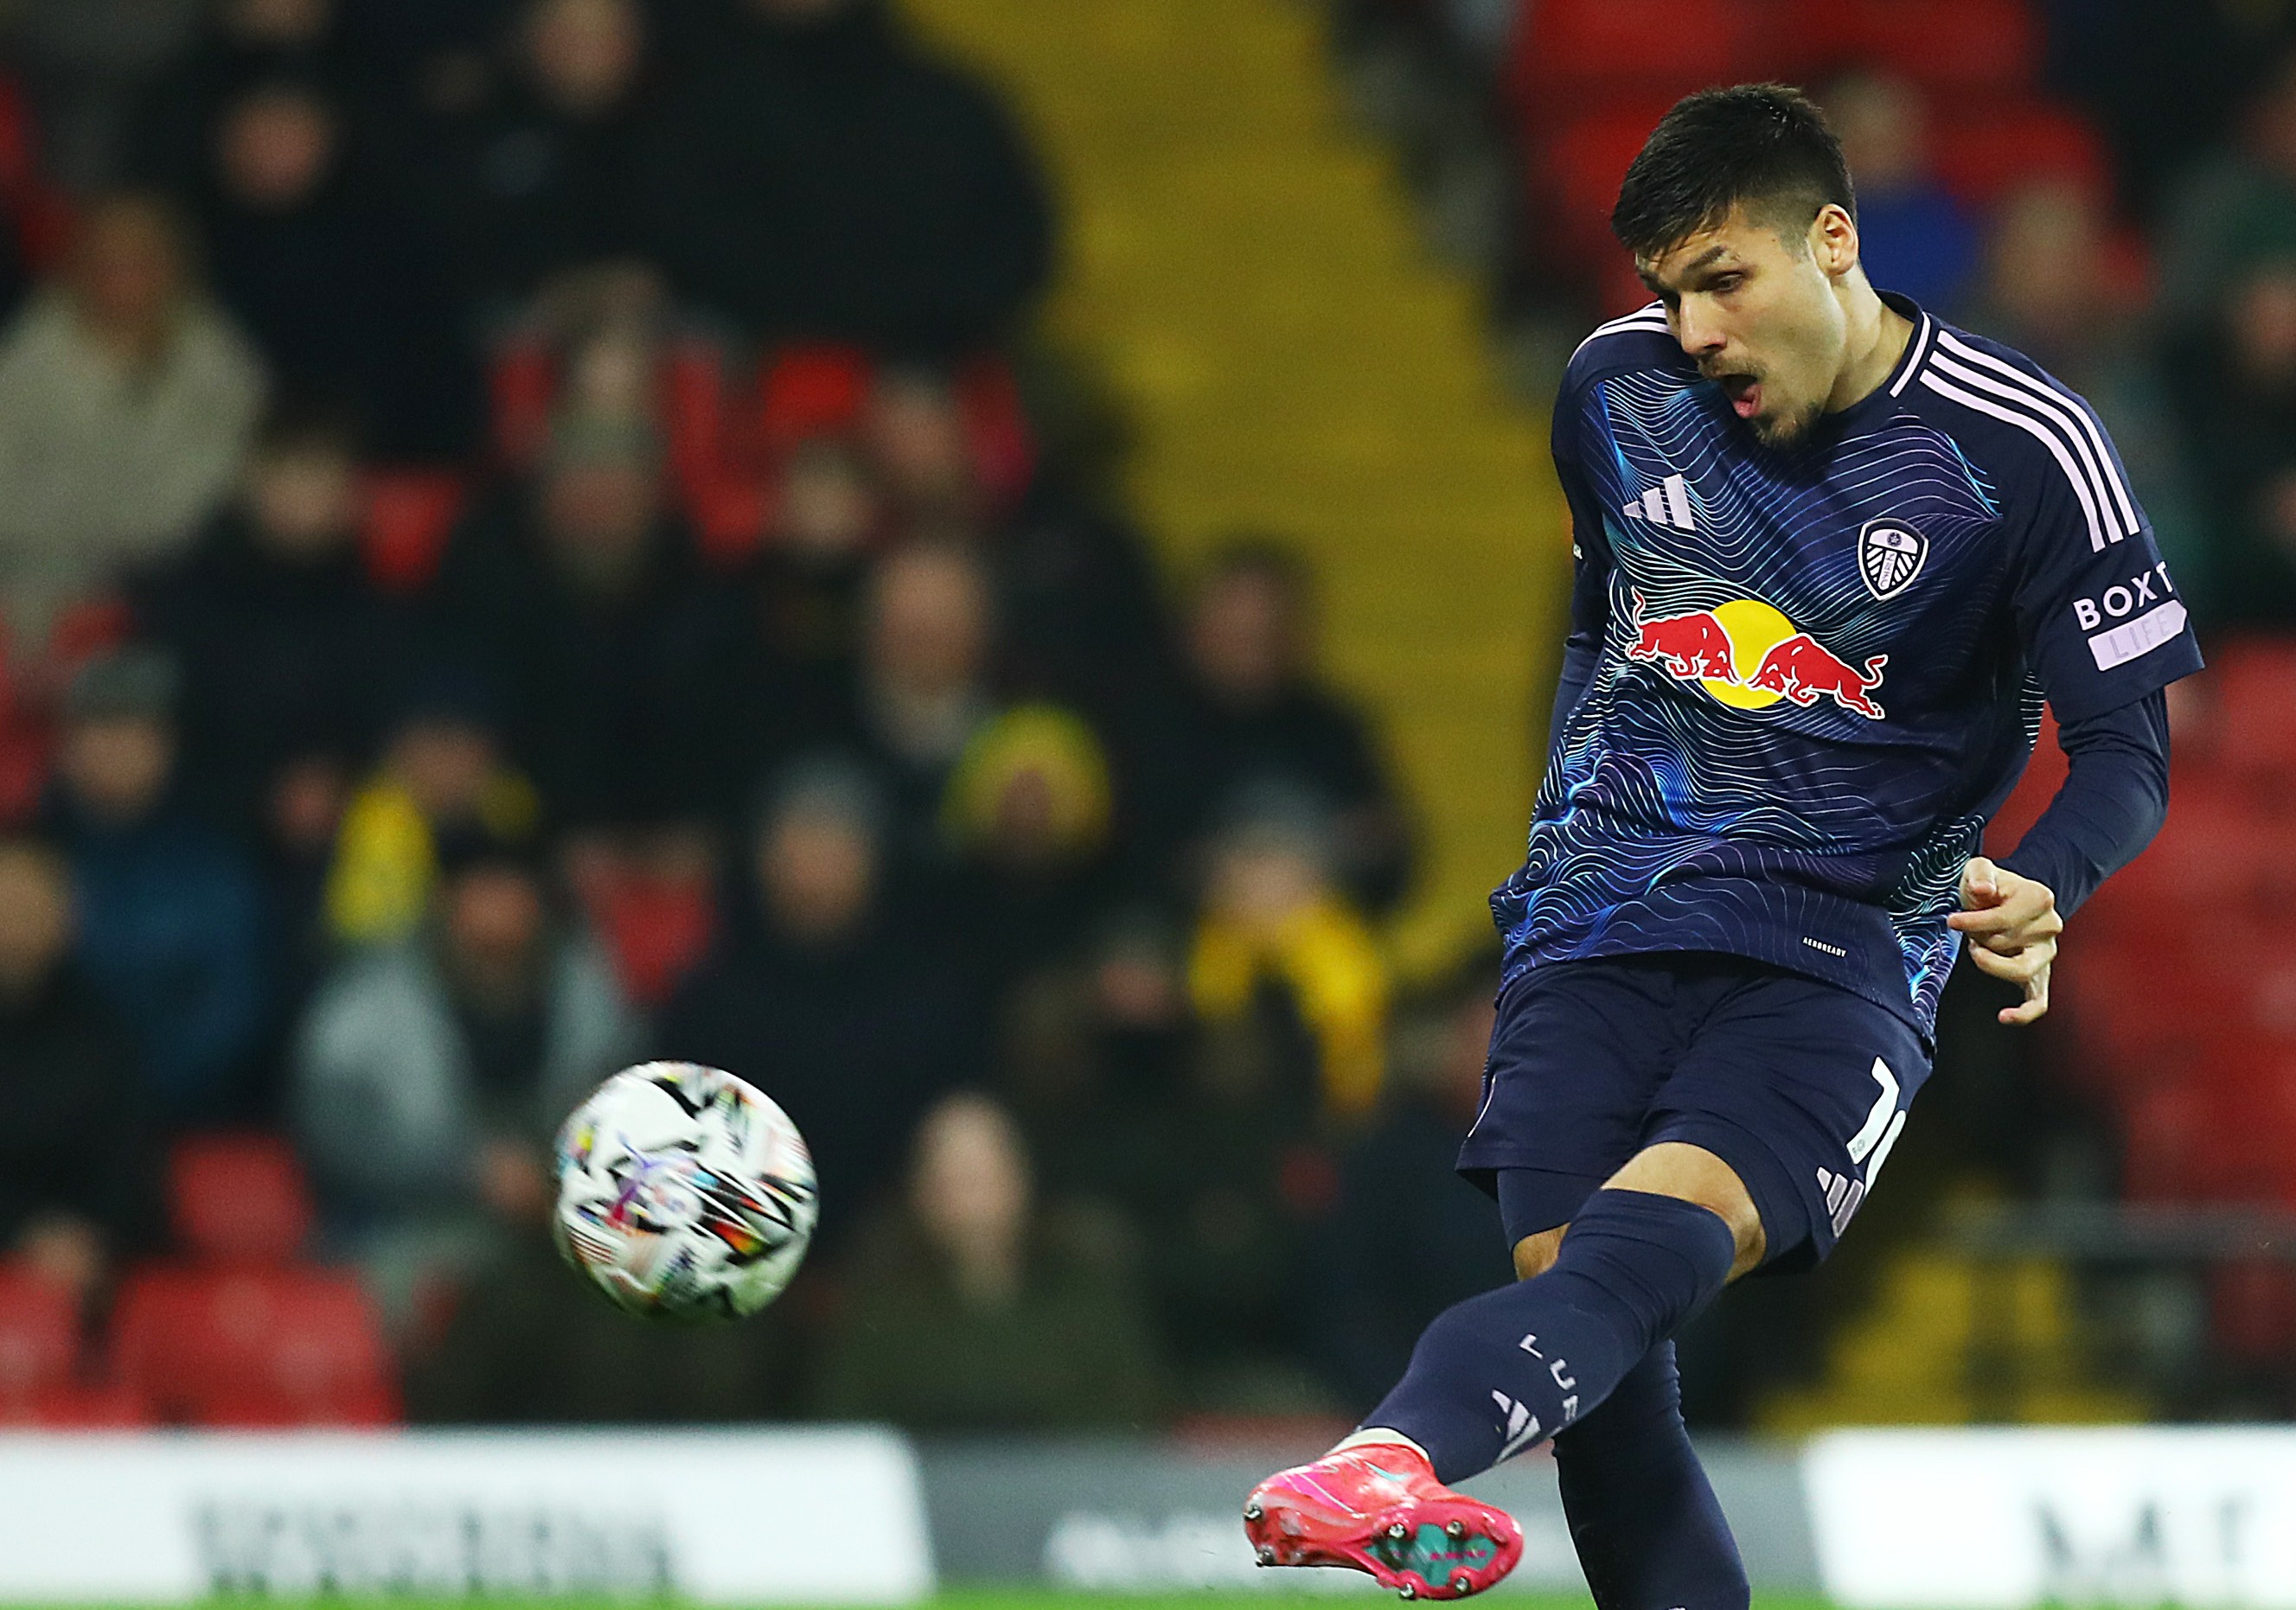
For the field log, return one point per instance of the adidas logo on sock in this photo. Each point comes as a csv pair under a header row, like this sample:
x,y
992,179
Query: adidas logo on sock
x,y
1520,1425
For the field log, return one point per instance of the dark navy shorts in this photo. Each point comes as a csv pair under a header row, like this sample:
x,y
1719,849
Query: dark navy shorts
x,y
1800,1087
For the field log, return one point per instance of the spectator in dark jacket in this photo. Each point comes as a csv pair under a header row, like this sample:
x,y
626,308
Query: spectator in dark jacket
x,y
75,1169
537,177
2238,389
283,643
1253,720
241,42
582,596
823,991
170,912
820,176
1409,1238
969,1310
345,296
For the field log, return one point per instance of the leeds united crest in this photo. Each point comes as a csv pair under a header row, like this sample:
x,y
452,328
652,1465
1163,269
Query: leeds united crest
x,y
1890,555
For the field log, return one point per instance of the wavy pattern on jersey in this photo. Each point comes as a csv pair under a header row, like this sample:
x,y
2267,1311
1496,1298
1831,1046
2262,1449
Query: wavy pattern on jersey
x,y
1668,820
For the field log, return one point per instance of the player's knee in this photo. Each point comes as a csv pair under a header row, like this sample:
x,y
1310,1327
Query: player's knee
x,y
1534,1256
1692,1174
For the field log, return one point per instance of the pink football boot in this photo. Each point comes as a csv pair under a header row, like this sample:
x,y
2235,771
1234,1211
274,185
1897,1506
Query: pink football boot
x,y
1377,1508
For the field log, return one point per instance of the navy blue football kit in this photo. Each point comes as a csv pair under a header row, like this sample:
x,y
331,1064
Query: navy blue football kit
x,y
1799,679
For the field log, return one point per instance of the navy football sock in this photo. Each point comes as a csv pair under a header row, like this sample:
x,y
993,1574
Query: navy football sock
x,y
1498,1373
1641,1512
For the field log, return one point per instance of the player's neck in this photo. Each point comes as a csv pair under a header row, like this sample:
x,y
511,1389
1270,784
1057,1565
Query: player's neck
x,y
1876,339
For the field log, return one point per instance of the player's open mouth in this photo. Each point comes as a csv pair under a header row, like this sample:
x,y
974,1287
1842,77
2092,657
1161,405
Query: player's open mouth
x,y
1745,394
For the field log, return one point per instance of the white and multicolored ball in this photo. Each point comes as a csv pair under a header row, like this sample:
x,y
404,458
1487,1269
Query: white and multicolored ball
x,y
684,1193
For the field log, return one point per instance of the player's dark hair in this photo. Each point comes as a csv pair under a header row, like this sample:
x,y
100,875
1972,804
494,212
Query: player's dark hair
x,y
1765,146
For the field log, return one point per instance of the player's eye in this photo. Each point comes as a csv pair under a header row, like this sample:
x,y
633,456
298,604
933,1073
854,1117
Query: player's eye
x,y
1723,284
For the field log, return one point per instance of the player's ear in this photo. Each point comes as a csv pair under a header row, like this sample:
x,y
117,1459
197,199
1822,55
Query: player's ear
x,y
1834,240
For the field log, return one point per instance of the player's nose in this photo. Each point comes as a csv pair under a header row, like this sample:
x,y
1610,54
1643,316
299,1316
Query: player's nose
x,y
1701,337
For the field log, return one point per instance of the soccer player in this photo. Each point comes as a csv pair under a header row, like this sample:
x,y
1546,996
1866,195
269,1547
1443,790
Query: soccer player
x,y
1832,554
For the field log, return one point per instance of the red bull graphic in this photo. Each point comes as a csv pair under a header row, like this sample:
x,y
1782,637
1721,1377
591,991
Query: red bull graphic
x,y
1799,670
1748,655
1693,645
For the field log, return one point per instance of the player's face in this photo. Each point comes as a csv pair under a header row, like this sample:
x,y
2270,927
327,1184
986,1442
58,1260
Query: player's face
x,y
1759,312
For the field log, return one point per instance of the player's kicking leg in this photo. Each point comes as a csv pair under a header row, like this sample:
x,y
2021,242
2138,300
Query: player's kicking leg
x,y
1501,1372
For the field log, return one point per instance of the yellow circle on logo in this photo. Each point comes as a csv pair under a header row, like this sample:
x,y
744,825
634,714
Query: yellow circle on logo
x,y
1754,629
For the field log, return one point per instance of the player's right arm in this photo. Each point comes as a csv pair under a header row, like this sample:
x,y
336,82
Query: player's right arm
x,y
1590,562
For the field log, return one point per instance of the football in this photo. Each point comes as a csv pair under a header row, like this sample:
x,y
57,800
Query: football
x,y
684,1193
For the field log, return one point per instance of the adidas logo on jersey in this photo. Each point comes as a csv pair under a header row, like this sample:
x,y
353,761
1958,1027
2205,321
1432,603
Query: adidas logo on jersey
x,y
1667,504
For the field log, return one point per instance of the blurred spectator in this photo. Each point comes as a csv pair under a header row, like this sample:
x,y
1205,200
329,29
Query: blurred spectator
x,y
75,1174
818,176
2236,212
537,179
851,1011
1275,930
442,777
2045,291
1912,236
283,643
1253,719
583,597
170,912
2239,391
429,1077
1077,612
125,403
809,579
1409,1238
1080,1109
89,59
1229,1185
924,685
1029,812
340,290
921,449
241,42
970,1310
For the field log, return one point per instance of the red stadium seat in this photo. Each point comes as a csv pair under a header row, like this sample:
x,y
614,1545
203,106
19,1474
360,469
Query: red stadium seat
x,y
1585,160
1568,50
522,385
2252,1310
410,514
2254,683
253,1347
73,1407
1983,155
238,1199
696,408
997,426
1943,44
807,391
39,1339
656,930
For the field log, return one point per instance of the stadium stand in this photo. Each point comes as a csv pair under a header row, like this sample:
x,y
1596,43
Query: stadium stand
x,y
1248,338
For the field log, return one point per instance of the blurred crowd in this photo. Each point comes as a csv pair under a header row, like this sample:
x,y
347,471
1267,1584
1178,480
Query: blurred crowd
x,y
521,552
525,546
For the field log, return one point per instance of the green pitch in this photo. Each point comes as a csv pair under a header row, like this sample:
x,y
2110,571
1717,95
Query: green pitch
x,y
1004,1599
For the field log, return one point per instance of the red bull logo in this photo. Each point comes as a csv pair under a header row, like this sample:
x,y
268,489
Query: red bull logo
x,y
1749,656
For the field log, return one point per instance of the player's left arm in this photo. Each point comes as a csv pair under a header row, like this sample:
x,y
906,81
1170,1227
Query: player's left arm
x,y
2113,799
2099,621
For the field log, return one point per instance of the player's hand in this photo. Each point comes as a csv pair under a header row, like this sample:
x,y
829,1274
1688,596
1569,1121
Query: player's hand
x,y
2011,925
